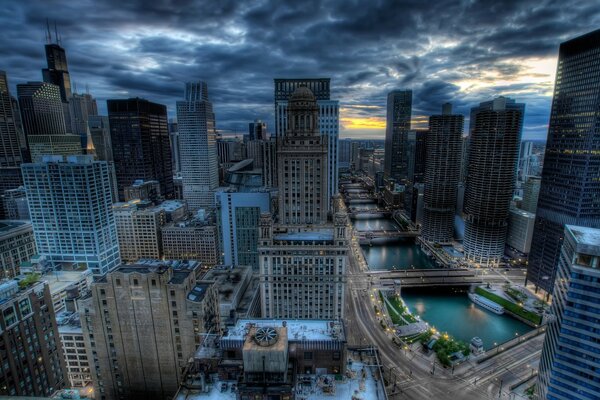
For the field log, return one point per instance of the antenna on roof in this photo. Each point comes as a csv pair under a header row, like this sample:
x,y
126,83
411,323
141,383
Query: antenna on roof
x,y
48,33
56,34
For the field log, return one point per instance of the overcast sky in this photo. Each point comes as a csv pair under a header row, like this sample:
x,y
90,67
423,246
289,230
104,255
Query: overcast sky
x,y
458,51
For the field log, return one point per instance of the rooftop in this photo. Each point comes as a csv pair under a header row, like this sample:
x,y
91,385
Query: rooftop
x,y
7,226
199,291
306,330
313,235
587,239
60,280
68,322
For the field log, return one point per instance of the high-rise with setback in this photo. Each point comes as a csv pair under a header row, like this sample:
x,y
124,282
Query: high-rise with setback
x,y
442,172
140,143
570,187
399,110
493,155
197,146
57,73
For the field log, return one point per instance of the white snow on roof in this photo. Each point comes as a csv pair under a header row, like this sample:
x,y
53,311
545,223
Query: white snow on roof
x,y
297,329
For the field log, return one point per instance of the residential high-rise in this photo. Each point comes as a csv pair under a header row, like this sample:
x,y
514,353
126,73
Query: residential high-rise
x,y
17,245
399,110
238,215
70,204
33,363
571,352
493,155
302,258
328,122
442,172
140,143
570,187
197,146
144,321
257,130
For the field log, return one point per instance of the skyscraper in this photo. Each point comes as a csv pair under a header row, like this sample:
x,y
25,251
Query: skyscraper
x,y
442,172
417,150
399,110
70,203
81,107
257,130
57,73
328,123
10,147
140,143
571,351
531,193
33,363
570,187
197,146
99,129
144,322
493,155
302,258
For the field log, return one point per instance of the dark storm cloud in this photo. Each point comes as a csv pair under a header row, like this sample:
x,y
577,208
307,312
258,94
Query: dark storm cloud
x,y
459,51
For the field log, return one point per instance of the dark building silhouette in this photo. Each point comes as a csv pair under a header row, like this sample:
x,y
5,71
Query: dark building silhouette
x,y
417,151
399,110
442,173
570,187
140,143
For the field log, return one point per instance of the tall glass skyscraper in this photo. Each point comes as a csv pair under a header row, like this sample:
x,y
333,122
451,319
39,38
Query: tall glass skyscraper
x,y
491,173
442,171
140,142
571,352
70,205
197,147
399,110
570,188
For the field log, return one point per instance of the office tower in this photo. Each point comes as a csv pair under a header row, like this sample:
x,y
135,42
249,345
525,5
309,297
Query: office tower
x,y
399,110
139,225
531,193
17,245
417,149
520,230
238,215
493,151
197,146
328,122
57,73
257,130
193,239
175,146
570,354
302,258
33,363
67,229
99,129
140,143
442,171
10,146
172,310
570,187
254,152
81,107
15,203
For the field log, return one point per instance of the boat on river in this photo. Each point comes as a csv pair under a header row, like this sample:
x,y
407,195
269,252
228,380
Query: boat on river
x,y
486,304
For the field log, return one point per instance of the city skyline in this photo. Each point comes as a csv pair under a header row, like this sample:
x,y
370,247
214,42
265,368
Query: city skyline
x,y
513,54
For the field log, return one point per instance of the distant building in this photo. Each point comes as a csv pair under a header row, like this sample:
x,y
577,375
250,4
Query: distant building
x,y
33,363
173,310
81,107
99,129
15,204
10,142
257,130
67,230
520,230
571,350
192,239
442,173
345,154
238,215
399,111
17,245
570,187
175,145
140,143
143,190
417,151
493,155
531,193
197,146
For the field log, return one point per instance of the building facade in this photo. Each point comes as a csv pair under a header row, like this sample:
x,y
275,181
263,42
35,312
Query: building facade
x,y
531,193
66,228
172,310
442,172
10,140
570,187
193,239
399,111
520,230
33,363
257,130
570,354
197,147
493,155
17,245
140,143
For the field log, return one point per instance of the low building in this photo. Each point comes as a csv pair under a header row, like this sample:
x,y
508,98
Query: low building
x,y
193,239
74,350
32,358
63,283
17,245
143,190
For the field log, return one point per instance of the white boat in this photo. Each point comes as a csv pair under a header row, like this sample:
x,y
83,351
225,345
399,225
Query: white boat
x,y
486,303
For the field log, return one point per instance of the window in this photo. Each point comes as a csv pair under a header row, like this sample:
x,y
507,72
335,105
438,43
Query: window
x,y
118,282
154,282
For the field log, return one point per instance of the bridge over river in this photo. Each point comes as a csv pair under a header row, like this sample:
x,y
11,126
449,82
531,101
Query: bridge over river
x,y
425,277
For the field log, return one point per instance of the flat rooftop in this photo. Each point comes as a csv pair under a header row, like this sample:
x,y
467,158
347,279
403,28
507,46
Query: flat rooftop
x,y
315,235
588,239
306,330
8,225
199,291
60,280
